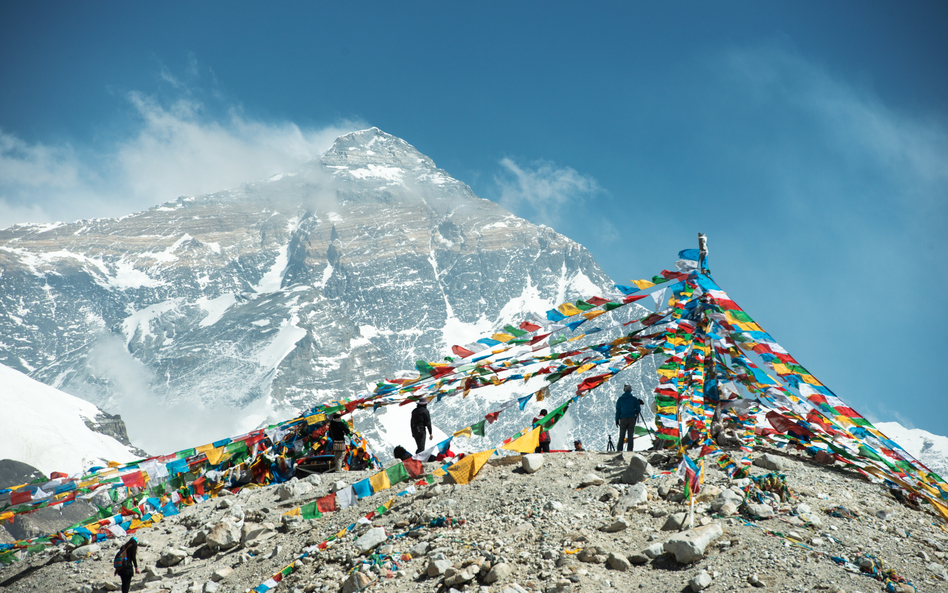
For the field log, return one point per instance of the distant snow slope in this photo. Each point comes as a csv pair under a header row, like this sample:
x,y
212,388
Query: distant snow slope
x,y
44,427
930,449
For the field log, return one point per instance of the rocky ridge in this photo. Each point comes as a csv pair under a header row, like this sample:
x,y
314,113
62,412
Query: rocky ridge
x,y
551,523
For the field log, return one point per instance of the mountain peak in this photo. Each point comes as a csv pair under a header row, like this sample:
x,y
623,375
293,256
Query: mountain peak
x,y
374,147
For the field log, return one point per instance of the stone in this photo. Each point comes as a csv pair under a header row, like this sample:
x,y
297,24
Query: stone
x,y
151,574
824,458
756,581
553,505
591,480
83,552
675,522
883,514
171,557
638,470
701,581
370,539
419,550
727,496
356,582
637,494
729,509
619,563
532,462
654,551
498,573
707,493
638,559
689,546
226,533
211,587
437,568
106,586
293,489
589,554
199,538
221,573
252,531
337,486
772,462
760,511
620,524
85,589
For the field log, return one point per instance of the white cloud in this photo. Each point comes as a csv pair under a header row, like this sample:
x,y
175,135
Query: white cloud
x,y
541,191
176,149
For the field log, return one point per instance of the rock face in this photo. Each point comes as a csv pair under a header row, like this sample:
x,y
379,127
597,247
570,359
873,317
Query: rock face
x,y
298,289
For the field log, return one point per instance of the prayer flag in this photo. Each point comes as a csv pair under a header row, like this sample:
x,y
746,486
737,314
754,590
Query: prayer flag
x,y
380,482
464,471
396,473
528,443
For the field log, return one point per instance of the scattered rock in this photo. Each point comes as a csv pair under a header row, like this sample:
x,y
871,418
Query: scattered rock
x,y
772,463
437,568
172,557
759,511
221,573
638,470
756,581
498,573
356,582
619,524
370,539
654,551
553,505
532,462
689,546
618,563
591,480
700,581
292,489
83,552
675,522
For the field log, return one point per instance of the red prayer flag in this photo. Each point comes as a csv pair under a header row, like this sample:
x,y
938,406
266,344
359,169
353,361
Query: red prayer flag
x,y
134,480
414,467
597,301
327,503
530,327
492,417
55,475
462,352
20,497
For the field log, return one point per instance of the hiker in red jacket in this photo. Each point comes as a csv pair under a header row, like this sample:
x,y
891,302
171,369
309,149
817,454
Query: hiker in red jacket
x,y
544,446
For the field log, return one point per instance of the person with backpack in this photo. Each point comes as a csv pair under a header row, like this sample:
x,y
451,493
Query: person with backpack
x,y
544,446
338,430
420,422
126,563
627,411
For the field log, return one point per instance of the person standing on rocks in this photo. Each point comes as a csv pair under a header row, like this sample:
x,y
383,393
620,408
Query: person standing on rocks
x,y
126,560
420,422
627,411
544,446
338,430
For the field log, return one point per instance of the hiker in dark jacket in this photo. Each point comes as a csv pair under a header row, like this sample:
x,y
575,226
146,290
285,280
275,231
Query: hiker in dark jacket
x,y
126,560
627,410
420,422
338,430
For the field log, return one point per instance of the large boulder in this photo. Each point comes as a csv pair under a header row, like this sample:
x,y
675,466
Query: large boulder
x,y
634,496
689,546
226,533
171,557
639,470
772,462
293,489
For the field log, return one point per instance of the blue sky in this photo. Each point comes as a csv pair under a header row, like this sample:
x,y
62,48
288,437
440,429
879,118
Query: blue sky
x,y
809,142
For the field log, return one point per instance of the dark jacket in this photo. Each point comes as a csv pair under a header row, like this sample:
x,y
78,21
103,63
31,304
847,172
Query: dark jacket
x,y
131,563
338,430
420,420
627,406
401,453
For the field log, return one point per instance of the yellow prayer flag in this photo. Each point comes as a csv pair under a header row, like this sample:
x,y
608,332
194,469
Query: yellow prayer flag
x,y
528,443
568,309
464,432
215,454
810,379
204,448
380,481
502,337
464,471
293,512
315,418
438,472
593,314
643,284
579,337
585,368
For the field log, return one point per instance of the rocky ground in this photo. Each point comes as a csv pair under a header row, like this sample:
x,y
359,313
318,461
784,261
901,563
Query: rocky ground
x,y
578,522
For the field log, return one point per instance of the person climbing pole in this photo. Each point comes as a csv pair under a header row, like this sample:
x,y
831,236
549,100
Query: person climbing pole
x,y
126,563
627,411
544,446
421,422
338,430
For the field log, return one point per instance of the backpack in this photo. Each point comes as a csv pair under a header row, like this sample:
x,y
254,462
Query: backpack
x,y
121,560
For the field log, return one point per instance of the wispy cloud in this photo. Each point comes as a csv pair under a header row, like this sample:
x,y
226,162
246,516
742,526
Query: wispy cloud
x,y
177,147
541,191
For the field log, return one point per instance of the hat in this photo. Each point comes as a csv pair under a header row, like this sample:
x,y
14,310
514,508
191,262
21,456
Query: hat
x,y
627,387
422,402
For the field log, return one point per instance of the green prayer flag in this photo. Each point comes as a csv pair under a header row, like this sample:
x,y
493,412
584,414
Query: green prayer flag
x,y
478,429
397,473
309,511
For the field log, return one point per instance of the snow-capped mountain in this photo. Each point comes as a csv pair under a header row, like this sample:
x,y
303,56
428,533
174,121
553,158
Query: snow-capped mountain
x,y
51,430
930,449
207,316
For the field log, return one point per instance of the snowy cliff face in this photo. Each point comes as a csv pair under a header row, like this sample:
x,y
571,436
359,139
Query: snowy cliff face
x,y
930,449
217,313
